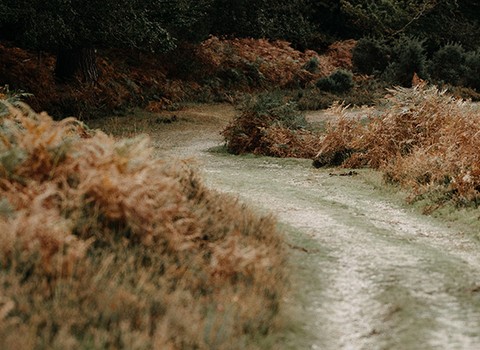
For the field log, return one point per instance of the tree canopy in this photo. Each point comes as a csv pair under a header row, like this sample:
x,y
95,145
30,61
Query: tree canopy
x,y
48,25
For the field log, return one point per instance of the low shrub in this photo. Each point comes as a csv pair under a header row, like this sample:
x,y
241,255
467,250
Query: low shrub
x,y
448,64
472,63
367,91
408,57
339,81
312,65
370,56
313,99
104,246
269,125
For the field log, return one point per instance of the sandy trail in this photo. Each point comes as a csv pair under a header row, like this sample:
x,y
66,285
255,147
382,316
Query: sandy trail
x,y
389,278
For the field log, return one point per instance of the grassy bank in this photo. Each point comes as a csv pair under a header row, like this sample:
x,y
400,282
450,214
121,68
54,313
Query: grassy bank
x,y
104,246
425,140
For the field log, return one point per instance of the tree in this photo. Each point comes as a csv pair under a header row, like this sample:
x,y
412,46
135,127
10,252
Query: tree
x,y
437,21
74,29
452,21
273,19
328,17
385,17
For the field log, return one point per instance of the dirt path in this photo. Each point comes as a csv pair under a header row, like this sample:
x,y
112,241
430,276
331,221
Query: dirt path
x,y
379,276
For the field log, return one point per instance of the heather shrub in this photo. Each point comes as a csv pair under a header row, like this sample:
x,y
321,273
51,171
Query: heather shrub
x,y
104,246
274,108
339,81
448,64
367,90
370,56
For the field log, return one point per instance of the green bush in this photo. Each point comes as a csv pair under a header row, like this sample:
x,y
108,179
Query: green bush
x,y
370,56
408,57
448,64
312,65
339,81
272,106
472,63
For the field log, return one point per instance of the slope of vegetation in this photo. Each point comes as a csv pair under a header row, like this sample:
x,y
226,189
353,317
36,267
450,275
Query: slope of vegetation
x,y
425,140
215,70
103,246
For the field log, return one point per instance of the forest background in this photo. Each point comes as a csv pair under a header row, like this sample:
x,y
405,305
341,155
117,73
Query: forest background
x,y
89,57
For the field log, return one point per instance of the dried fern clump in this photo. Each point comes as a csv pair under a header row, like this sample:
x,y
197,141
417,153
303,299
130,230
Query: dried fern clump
x,y
104,246
268,125
276,61
426,140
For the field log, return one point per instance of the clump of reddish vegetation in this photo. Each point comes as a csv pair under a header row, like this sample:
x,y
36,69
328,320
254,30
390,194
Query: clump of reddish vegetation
x,y
268,125
425,140
273,62
104,246
120,85
215,70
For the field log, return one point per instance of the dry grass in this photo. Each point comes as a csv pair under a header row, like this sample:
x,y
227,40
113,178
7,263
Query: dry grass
x,y
103,246
426,141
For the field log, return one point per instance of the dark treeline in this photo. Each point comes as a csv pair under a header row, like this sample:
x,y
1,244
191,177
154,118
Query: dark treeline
x,y
74,29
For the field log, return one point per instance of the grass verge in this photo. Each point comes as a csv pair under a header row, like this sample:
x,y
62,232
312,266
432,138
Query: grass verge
x,y
104,246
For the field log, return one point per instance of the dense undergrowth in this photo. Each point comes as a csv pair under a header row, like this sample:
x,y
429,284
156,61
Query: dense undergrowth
x,y
103,246
422,138
215,70
270,125
425,140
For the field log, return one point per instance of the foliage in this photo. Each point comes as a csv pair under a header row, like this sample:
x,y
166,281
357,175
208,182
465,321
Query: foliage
x,y
370,56
73,30
425,140
66,24
273,19
255,62
272,106
450,21
312,65
215,70
268,125
386,17
448,64
104,246
408,57
260,62
472,64
394,61
339,81
367,91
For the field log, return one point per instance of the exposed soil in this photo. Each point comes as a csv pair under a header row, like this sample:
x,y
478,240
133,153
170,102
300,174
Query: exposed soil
x,y
376,274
